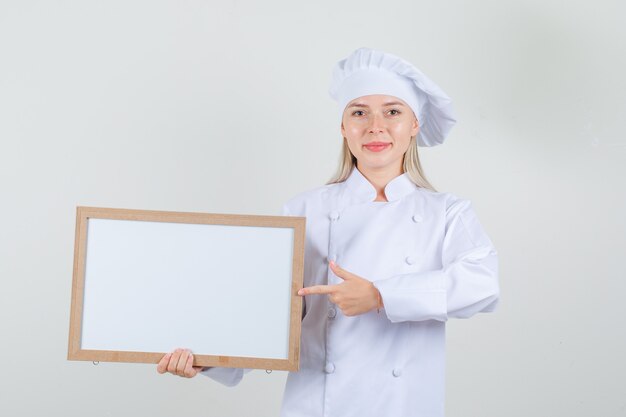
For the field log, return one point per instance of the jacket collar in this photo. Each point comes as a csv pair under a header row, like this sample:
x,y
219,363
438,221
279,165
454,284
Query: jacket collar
x,y
358,189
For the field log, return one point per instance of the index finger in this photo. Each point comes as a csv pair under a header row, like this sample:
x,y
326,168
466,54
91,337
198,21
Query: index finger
x,y
190,370
317,289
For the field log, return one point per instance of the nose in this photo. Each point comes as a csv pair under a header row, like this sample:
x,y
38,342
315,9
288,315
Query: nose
x,y
377,123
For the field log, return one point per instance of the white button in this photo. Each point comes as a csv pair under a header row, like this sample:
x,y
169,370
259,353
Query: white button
x,y
411,260
334,215
332,313
397,372
329,368
417,218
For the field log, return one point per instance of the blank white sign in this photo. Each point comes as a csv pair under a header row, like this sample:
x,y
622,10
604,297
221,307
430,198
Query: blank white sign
x,y
147,284
223,285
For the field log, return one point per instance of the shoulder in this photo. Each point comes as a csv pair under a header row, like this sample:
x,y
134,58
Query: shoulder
x,y
451,203
447,207
461,217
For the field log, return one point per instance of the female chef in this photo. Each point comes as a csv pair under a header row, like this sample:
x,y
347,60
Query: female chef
x,y
388,260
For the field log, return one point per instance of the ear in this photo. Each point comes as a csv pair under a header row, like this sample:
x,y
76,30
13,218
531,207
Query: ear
x,y
343,130
415,127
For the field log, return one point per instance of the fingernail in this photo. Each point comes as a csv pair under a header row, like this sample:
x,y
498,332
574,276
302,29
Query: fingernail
x,y
300,292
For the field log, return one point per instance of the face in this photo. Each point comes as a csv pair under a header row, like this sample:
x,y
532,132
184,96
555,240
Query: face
x,y
378,129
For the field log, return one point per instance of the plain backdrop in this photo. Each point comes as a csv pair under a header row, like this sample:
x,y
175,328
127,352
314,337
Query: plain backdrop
x,y
222,107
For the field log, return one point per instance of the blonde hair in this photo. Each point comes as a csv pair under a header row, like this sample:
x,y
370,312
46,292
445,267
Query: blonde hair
x,y
411,165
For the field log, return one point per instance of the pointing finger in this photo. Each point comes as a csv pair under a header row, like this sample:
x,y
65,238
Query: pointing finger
x,y
317,289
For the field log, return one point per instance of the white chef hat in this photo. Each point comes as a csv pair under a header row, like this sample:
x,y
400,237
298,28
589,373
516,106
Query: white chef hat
x,y
367,71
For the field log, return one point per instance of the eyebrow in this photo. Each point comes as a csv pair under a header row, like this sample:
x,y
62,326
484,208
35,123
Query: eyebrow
x,y
389,103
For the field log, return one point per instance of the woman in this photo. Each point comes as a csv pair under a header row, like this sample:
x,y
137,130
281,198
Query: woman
x,y
387,259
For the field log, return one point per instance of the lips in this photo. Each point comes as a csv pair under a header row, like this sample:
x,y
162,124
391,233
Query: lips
x,y
377,146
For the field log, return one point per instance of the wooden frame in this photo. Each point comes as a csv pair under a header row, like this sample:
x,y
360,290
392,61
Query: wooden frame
x,y
84,334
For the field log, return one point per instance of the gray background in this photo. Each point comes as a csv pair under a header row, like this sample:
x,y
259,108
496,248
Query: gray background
x,y
223,107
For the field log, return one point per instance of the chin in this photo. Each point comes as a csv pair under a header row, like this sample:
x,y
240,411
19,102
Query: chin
x,y
380,162
373,164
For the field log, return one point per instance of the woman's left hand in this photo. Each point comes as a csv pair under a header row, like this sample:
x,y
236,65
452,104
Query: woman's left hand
x,y
354,296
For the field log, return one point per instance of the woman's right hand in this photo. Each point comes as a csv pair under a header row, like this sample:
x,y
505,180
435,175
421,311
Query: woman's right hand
x,y
179,362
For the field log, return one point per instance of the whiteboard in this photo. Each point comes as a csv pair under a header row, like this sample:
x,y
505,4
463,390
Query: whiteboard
x,y
224,286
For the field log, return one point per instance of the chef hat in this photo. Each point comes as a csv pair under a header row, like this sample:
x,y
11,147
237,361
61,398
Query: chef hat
x,y
367,71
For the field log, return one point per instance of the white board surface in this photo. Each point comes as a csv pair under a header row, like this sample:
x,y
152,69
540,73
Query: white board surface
x,y
215,289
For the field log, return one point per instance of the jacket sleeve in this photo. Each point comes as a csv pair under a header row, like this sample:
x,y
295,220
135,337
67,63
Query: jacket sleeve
x,y
466,284
227,376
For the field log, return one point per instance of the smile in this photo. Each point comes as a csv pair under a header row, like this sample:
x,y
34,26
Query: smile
x,y
377,147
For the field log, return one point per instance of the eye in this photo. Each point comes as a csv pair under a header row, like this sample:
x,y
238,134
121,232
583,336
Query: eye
x,y
394,110
354,113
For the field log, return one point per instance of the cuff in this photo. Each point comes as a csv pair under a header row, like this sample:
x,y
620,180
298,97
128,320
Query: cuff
x,y
414,297
226,376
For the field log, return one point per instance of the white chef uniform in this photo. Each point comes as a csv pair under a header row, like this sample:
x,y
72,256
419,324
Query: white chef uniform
x,y
431,260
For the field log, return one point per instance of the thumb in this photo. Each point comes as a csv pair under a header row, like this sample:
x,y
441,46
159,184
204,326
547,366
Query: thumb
x,y
341,273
